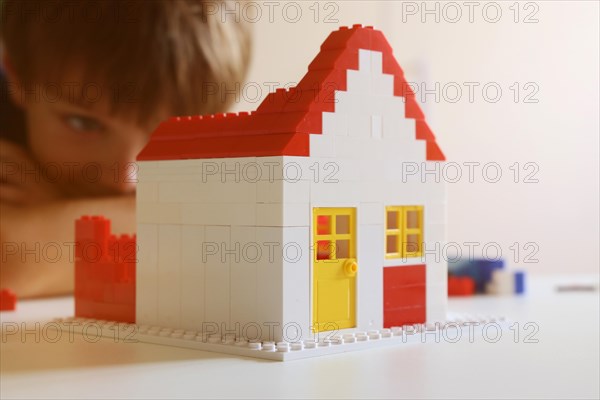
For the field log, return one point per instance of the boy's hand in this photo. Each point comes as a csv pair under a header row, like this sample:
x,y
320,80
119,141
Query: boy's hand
x,y
21,180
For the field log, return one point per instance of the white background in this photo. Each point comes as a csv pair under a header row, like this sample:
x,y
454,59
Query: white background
x,y
558,55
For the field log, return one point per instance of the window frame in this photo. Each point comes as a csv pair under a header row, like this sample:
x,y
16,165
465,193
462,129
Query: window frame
x,y
402,231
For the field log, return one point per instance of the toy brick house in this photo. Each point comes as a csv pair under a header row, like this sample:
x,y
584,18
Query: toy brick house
x,y
299,217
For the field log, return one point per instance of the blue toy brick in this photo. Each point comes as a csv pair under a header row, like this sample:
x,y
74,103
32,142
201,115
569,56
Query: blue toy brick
x,y
519,282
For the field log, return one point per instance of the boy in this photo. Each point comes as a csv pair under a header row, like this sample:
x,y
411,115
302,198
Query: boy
x,y
85,84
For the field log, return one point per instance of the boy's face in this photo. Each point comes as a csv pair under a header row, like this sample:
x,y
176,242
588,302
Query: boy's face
x,y
85,150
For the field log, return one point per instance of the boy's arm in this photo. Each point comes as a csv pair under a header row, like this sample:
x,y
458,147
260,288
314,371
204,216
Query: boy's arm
x,y
37,242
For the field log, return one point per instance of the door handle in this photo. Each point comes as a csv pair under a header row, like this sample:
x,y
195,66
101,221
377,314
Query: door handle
x,y
350,268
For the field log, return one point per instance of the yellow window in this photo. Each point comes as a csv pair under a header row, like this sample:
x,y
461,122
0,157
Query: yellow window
x,y
403,231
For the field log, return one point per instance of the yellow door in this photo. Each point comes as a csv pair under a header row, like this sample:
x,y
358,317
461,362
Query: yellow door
x,y
335,268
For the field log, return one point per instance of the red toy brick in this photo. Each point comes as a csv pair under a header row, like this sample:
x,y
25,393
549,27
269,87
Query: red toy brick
x,y
423,131
404,295
401,87
271,130
461,286
355,37
413,110
104,271
406,276
8,300
244,146
380,43
434,153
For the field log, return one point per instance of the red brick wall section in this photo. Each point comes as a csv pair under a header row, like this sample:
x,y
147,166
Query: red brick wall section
x,y
104,271
404,295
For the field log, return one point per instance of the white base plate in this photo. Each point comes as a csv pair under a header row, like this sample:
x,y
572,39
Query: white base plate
x,y
281,351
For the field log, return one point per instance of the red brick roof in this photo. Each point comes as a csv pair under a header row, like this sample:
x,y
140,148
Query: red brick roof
x,y
284,120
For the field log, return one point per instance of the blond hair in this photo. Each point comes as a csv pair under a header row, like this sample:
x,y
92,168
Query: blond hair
x,y
149,56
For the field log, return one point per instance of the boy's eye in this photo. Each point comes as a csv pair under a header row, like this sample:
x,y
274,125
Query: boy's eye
x,y
83,124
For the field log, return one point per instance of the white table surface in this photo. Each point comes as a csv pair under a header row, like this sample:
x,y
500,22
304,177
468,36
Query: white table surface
x,y
563,364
